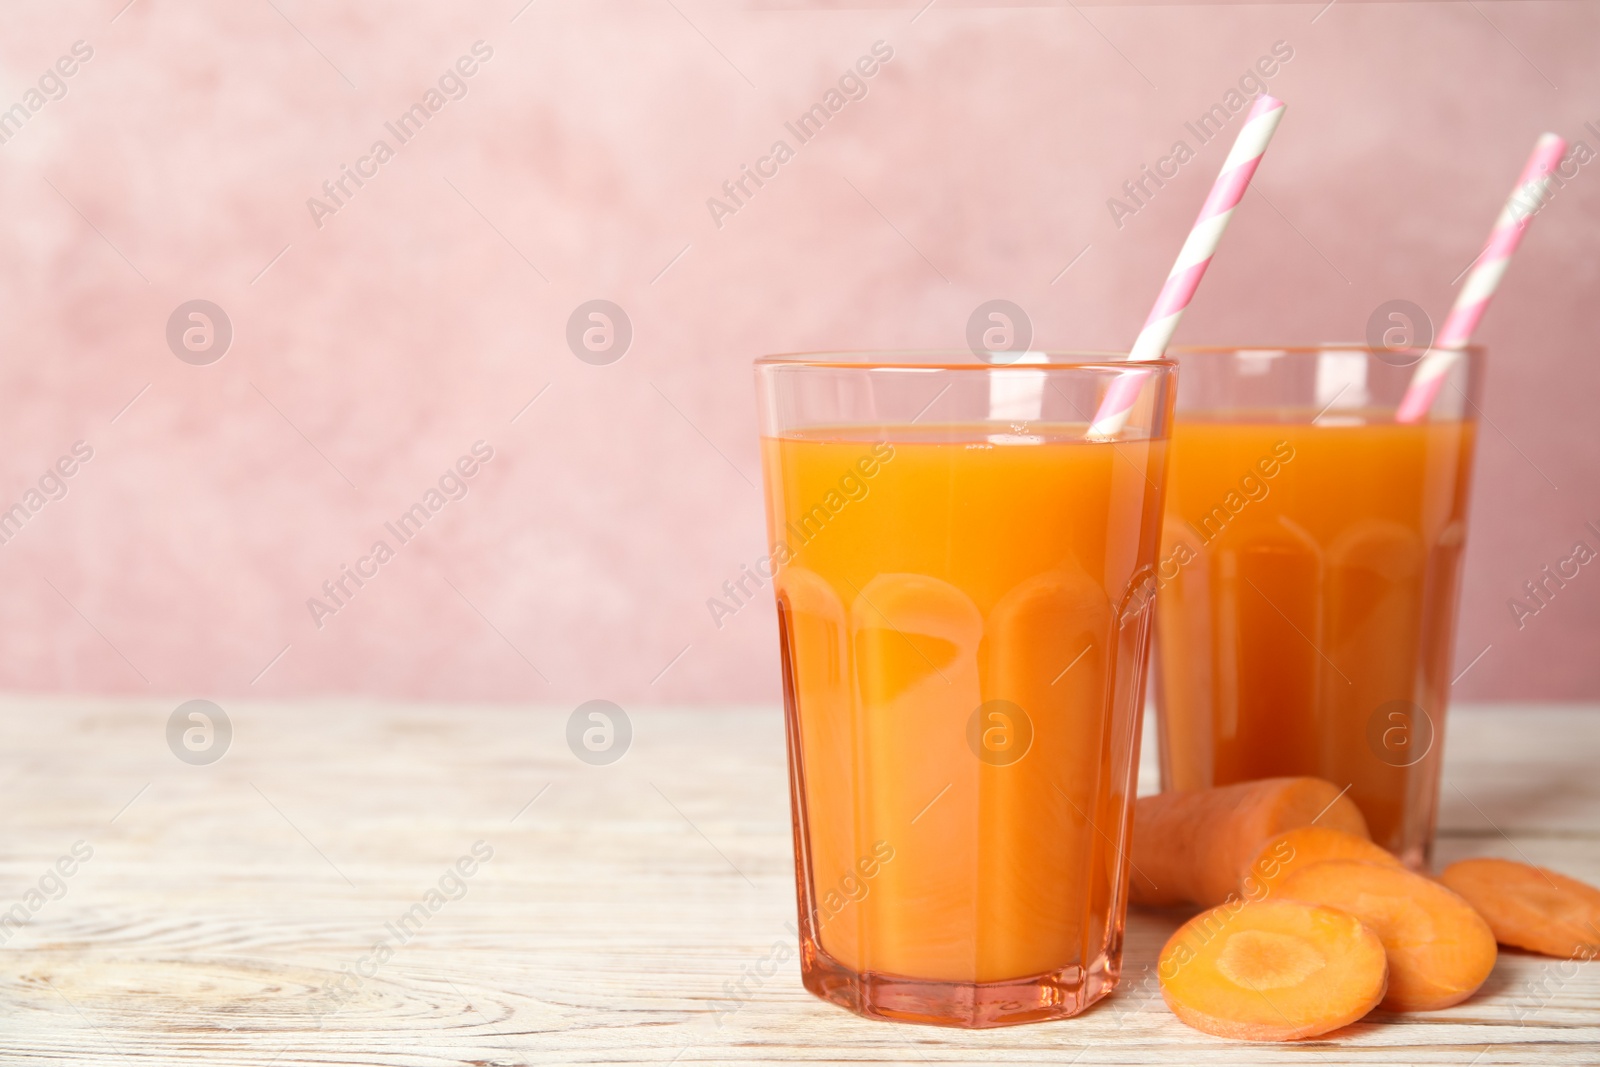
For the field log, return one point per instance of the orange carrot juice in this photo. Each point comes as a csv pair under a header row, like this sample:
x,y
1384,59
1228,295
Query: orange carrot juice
x,y
1307,605
963,634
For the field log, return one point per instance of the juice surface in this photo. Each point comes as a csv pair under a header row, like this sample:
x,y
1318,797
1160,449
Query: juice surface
x,y
963,636
1307,607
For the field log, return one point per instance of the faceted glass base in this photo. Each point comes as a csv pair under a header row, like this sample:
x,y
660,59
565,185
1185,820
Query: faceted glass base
x,y
971,1005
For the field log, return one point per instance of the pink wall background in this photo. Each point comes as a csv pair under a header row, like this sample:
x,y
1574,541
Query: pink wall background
x,y
432,307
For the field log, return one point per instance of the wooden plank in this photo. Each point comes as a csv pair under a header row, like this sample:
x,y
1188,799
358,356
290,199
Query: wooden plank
x,y
222,903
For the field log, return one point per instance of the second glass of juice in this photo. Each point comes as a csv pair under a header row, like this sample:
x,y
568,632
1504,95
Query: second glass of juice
x,y
964,582
1309,577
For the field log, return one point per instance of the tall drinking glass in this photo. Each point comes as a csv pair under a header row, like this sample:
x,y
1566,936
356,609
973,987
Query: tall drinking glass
x,y
1309,576
963,585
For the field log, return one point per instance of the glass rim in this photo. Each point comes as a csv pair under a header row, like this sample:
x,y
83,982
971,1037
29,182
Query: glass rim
x,y
957,359
1056,359
1176,352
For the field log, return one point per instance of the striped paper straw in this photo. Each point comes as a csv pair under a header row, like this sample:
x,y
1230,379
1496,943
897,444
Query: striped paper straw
x,y
1515,218
1193,260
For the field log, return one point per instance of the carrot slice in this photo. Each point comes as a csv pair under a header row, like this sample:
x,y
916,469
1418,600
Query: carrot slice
x,y
1530,907
1301,847
1440,950
1196,846
1273,971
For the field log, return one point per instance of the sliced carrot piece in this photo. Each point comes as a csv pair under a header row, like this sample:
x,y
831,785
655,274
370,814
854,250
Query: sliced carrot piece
x,y
1440,950
1273,971
1196,846
1301,847
1530,907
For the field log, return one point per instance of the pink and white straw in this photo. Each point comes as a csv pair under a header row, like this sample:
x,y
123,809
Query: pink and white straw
x,y
1193,260
1515,218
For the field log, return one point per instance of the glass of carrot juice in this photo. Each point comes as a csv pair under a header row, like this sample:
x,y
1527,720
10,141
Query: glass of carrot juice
x,y
1309,576
963,581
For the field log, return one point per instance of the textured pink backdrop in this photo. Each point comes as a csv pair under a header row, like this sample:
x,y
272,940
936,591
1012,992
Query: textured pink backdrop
x,y
432,307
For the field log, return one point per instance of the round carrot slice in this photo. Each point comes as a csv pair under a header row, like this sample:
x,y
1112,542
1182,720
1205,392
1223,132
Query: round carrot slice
x,y
1272,971
1530,907
1301,847
1440,950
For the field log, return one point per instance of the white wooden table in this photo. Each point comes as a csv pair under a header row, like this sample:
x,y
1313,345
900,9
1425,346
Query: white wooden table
x,y
221,902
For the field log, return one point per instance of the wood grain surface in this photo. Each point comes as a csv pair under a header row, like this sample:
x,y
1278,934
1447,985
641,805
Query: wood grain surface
x,y
300,902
